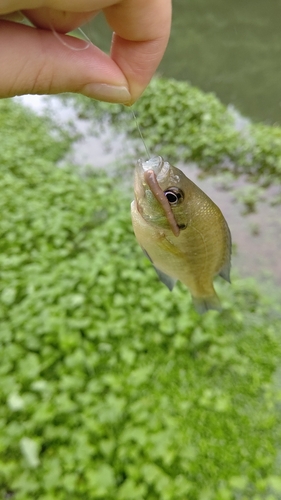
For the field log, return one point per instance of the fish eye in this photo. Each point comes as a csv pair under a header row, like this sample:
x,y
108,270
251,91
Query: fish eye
x,y
174,195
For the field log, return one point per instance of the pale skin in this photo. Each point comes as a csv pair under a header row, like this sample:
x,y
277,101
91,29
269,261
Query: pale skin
x,y
36,61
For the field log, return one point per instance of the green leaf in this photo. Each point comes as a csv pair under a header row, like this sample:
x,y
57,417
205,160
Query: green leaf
x,y
30,452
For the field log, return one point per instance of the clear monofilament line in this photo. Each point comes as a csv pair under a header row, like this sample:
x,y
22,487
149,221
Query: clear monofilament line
x,y
63,42
138,127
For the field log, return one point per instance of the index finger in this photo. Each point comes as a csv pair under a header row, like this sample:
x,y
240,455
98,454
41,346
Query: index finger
x,y
142,29
141,33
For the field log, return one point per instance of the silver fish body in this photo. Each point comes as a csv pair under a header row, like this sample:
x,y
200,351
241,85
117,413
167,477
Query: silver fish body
x,y
181,230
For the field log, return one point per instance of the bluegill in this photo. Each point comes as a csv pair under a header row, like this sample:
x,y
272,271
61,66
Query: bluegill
x,y
181,230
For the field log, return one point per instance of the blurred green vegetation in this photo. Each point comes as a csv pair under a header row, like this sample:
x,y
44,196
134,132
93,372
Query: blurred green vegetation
x,y
111,386
182,123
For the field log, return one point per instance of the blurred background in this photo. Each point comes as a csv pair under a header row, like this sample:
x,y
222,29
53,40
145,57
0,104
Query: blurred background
x,y
233,50
111,387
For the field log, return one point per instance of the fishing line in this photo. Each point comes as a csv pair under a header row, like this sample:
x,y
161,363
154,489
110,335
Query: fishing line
x,y
21,18
63,42
139,130
87,39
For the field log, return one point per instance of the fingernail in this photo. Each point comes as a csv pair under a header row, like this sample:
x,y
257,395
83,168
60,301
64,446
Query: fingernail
x,y
108,93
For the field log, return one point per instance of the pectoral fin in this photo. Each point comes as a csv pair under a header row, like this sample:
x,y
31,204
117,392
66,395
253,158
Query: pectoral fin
x,y
167,280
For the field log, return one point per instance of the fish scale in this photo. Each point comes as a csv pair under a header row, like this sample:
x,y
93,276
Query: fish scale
x,y
186,240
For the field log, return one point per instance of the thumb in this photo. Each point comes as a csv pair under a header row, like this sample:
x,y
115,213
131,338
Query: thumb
x,y
35,61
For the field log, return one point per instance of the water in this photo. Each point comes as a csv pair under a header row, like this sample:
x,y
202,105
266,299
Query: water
x,y
230,48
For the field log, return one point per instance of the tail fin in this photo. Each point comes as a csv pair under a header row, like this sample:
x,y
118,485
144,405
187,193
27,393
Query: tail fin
x,y
204,304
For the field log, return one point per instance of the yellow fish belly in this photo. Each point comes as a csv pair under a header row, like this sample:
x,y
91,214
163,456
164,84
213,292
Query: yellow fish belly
x,y
181,230
193,258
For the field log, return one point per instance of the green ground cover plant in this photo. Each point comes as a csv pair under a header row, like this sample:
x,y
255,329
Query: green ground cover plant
x,y
111,387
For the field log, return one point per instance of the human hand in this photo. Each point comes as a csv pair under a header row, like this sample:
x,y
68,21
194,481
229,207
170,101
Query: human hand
x,y
35,61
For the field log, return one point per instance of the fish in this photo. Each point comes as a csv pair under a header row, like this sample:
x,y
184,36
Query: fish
x,y
181,230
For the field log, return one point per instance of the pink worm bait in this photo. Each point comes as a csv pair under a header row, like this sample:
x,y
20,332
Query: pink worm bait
x,y
151,181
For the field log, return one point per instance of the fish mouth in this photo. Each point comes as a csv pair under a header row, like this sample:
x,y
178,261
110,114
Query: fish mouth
x,y
151,173
142,166
151,180
160,167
